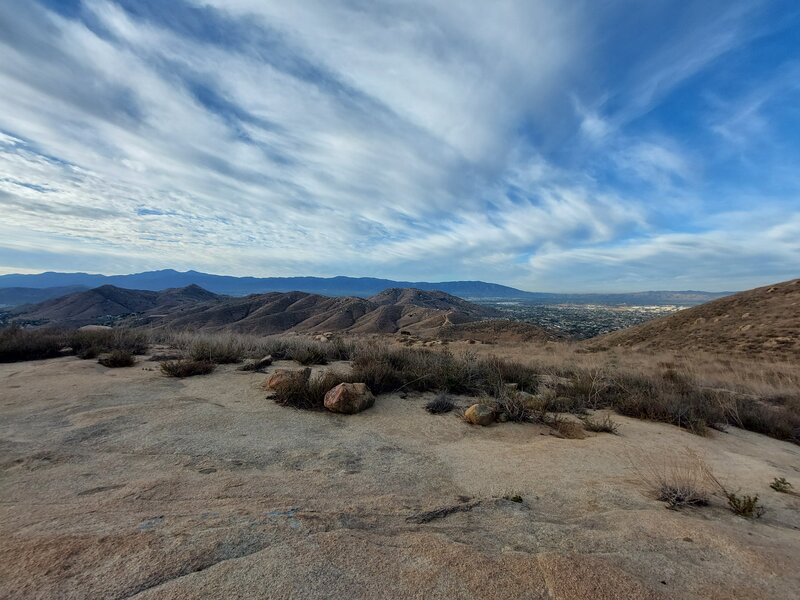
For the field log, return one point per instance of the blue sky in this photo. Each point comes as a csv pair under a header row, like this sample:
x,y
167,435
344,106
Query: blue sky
x,y
554,146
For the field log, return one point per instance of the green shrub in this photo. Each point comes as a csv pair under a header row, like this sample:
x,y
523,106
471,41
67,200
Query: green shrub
x,y
745,506
779,484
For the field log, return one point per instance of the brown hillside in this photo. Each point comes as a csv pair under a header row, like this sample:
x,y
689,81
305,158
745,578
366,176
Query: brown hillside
x,y
760,322
300,312
108,301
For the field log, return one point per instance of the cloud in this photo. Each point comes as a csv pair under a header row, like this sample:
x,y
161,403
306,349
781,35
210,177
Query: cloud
x,y
441,140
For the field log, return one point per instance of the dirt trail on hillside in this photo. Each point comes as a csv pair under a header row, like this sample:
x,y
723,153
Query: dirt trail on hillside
x,y
126,484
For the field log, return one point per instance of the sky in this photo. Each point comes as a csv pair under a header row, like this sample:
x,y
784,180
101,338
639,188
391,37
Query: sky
x,y
582,145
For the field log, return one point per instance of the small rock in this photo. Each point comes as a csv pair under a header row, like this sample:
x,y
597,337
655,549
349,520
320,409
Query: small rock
x,y
349,398
479,414
286,376
264,362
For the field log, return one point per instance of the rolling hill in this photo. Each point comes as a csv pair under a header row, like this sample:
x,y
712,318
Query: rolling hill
x,y
761,322
193,308
108,303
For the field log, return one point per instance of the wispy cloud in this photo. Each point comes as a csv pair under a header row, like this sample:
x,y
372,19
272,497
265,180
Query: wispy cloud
x,y
511,141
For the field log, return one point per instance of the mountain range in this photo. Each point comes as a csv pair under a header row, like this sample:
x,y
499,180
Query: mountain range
x,y
363,287
196,309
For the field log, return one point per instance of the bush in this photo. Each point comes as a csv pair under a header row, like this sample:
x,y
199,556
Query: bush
x,y
516,408
117,359
186,367
681,480
745,506
440,405
308,355
18,344
221,349
308,393
779,484
90,343
603,425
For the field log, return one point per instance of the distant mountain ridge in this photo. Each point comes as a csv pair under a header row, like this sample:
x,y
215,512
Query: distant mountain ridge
x,y
338,286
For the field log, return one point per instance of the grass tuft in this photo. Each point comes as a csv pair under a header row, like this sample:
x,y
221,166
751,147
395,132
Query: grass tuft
x,y
117,359
186,367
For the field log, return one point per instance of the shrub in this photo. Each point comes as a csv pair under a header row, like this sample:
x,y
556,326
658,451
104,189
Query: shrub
x,y
516,408
601,425
308,393
90,343
220,349
680,480
117,359
779,484
745,506
440,405
18,344
186,367
308,355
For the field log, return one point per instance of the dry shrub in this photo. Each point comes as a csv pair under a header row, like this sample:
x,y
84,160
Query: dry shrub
x,y
186,367
679,480
18,344
117,359
219,349
389,369
572,430
604,424
440,405
91,343
308,393
781,485
517,408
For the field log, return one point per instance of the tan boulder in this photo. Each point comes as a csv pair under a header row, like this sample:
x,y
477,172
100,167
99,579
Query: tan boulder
x,y
349,398
283,377
479,414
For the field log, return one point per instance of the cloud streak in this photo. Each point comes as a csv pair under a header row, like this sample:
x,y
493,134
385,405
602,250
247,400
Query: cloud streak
x,y
418,140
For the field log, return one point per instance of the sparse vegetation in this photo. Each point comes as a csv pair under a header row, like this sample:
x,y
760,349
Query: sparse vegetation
x,y
779,484
308,393
117,359
18,344
745,506
680,481
92,343
604,424
440,405
186,367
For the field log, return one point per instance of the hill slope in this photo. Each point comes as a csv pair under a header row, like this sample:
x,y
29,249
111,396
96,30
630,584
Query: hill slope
x,y
302,312
108,303
194,308
763,321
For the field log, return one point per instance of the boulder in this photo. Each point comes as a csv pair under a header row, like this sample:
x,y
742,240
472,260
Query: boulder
x,y
286,376
349,398
479,414
264,362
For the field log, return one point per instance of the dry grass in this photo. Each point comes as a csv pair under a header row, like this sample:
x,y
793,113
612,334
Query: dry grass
x,y
679,480
117,359
440,405
186,368
604,424
27,344
308,393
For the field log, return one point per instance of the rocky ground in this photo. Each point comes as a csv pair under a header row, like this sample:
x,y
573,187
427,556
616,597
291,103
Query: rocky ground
x,y
121,483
